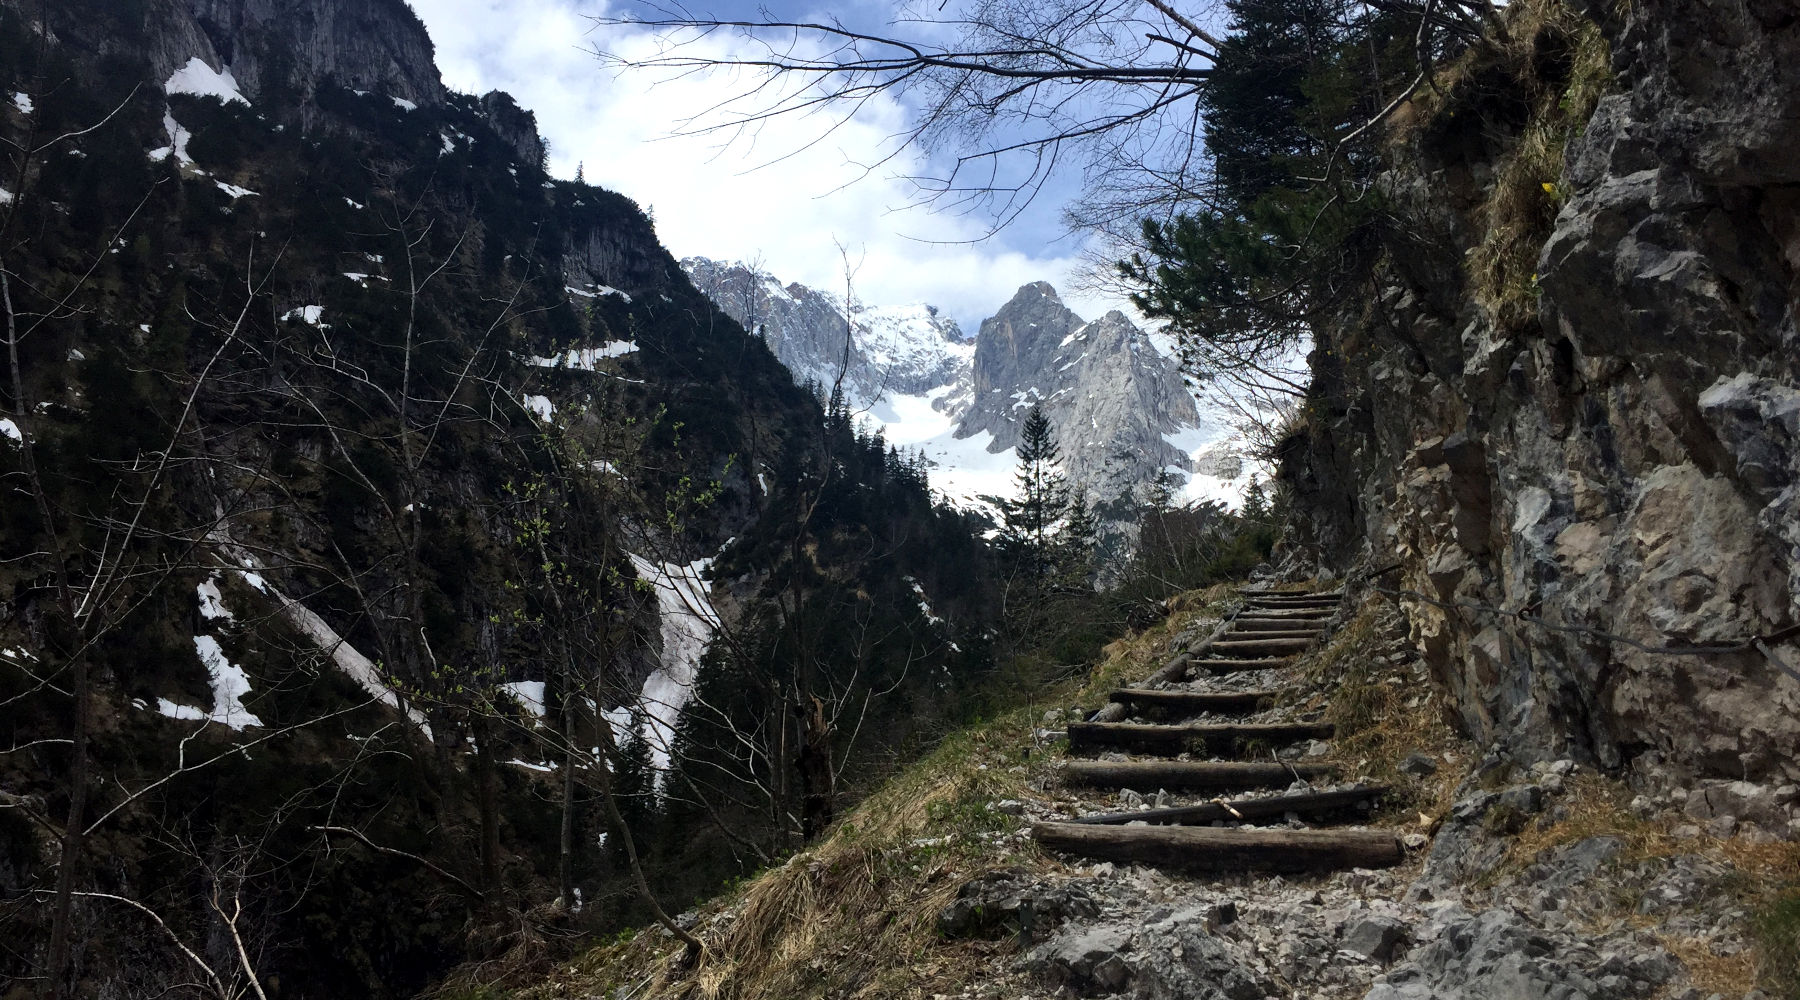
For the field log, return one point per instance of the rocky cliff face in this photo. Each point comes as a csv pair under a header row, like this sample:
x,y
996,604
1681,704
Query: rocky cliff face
x,y
1624,458
1111,396
295,45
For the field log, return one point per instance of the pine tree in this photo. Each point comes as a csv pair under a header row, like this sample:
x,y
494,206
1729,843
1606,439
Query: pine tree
x,y
1080,533
1256,503
1031,520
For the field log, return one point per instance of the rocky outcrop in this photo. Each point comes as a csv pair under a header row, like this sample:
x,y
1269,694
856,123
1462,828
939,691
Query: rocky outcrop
x,y
375,45
1570,497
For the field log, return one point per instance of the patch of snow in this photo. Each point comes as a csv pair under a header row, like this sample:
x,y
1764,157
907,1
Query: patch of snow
x,y
229,685
212,601
359,206
6,196
76,355
201,80
924,603
233,190
529,766
541,406
529,695
403,104
178,142
689,622
598,290
585,358
449,144
363,279
187,712
22,102
11,432
309,315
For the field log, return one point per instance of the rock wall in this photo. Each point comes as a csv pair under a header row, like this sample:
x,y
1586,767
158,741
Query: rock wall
x,y
374,45
1628,460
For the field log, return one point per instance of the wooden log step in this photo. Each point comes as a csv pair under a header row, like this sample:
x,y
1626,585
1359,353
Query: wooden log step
x,y
1264,632
1141,737
1290,605
1203,848
1186,775
1304,803
1195,701
1234,666
1292,621
1257,647
1256,593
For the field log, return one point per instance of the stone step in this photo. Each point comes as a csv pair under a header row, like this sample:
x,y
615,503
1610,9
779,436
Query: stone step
x,y
1184,775
1202,848
1192,702
1268,807
1140,737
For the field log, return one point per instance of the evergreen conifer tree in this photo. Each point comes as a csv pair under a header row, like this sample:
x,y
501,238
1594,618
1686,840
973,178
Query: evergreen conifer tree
x,y
1032,518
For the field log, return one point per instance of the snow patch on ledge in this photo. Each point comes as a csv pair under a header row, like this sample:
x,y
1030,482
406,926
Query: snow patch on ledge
x,y
201,80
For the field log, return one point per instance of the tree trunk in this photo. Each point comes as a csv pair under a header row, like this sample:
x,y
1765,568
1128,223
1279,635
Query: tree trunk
x,y
814,762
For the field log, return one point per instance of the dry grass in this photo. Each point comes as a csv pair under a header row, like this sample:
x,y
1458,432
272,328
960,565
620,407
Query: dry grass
x,y
854,916
1382,716
1555,65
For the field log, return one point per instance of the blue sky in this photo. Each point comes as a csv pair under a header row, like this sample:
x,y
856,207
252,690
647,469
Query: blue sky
x,y
788,194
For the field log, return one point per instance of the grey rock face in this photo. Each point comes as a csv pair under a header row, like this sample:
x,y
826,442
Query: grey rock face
x,y
1627,463
1499,955
1109,394
374,45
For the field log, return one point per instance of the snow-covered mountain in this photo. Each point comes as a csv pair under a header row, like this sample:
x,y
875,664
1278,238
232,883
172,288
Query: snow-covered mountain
x,y
1116,402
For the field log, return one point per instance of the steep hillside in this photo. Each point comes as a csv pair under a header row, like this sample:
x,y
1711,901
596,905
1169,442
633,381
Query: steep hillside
x,y
376,506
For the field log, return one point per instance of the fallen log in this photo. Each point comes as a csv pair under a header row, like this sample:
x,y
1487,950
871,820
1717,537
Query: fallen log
x,y
1304,803
1257,647
1139,737
1189,775
1209,849
1195,701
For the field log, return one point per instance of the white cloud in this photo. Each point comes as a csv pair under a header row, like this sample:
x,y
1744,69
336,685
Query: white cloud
x,y
787,194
